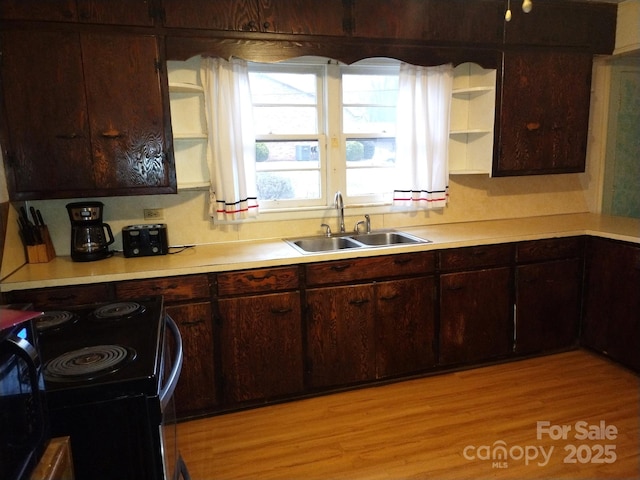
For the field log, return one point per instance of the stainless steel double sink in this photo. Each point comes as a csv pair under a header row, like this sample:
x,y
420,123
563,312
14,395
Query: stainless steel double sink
x,y
344,241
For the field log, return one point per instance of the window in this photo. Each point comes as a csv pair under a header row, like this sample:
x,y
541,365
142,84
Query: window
x,y
323,127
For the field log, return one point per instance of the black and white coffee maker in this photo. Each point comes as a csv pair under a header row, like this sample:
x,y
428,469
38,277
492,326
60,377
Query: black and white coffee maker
x,y
90,237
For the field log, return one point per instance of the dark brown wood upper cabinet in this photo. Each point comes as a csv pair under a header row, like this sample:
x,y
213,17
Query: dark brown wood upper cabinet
x,y
87,118
447,21
544,115
564,24
112,12
275,16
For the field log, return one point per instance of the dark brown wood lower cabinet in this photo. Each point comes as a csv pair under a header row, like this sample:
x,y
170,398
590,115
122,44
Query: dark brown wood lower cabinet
x,y
475,317
196,390
405,325
261,346
611,322
340,335
547,305
358,333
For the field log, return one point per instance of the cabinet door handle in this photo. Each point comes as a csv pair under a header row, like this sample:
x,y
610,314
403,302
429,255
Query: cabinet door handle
x,y
192,322
388,298
532,126
280,311
266,25
111,133
358,302
453,288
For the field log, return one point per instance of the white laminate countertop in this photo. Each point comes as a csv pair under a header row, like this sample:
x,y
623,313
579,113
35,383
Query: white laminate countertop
x,y
230,256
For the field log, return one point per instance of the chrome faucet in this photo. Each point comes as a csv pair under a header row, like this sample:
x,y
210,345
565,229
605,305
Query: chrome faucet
x,y
339,204
366,222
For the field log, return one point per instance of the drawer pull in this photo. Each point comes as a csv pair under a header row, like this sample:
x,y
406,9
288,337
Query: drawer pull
x,y
340,268
257,278
453,288
401,261
162,289
281,311
359,302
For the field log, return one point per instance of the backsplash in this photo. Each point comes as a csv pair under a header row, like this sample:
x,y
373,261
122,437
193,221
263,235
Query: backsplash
x,y
473,197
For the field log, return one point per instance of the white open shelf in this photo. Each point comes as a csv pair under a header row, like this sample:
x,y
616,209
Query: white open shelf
x,y
472,119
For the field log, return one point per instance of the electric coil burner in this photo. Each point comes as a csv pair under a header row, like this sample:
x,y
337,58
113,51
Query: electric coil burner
x,y
54,320
110,371
118,311
88,363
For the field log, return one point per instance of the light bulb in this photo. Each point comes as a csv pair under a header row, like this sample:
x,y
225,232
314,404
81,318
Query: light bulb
x,y
527,6
507,15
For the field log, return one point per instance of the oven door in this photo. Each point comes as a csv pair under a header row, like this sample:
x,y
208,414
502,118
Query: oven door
x,y
173,465
23,415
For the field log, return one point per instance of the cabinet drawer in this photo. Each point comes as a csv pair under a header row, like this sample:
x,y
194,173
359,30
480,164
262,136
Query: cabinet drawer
x,y
370,268
257,281
476,257
549,249
187,287
47,298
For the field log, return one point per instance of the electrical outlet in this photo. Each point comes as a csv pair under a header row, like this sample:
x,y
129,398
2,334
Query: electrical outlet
x,y
154,214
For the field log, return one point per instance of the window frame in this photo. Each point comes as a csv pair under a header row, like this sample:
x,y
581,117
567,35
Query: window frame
x,y
333,167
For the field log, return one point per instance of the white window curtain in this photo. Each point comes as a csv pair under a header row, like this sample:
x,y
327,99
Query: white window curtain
x,y
231,148
422,137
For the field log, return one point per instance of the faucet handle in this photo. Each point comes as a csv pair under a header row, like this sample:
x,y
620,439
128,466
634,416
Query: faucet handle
x,y
327,228
356,229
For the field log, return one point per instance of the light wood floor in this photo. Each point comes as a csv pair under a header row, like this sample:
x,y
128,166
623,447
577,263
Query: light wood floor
x,y
439,427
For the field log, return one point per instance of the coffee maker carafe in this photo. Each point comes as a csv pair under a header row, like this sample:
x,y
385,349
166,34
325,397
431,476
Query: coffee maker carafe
x,y
90,237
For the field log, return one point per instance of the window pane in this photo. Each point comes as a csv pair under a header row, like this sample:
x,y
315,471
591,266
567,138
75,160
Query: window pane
x,y
287,155
369,89
371,152
369,120
269,88
369,181
285,120
370,164
298,185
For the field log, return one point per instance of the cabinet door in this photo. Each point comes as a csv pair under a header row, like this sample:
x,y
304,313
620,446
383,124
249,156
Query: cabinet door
x,y
235,15
612,304
405,326
562,24
475,320
126,114
547,305
303,16
340,335
117,12
46,113
47,10
433,20
196,390
261,345
544,115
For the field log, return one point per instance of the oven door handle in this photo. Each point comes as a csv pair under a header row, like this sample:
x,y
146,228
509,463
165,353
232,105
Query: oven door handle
x,y
23,349
176,367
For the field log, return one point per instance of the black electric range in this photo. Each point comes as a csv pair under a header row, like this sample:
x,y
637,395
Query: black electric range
x,y
110,370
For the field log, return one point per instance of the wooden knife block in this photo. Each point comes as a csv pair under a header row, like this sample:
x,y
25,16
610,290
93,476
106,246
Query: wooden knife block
x,y
42,252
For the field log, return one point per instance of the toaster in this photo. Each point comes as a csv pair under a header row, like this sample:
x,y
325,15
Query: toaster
x,y
145,240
